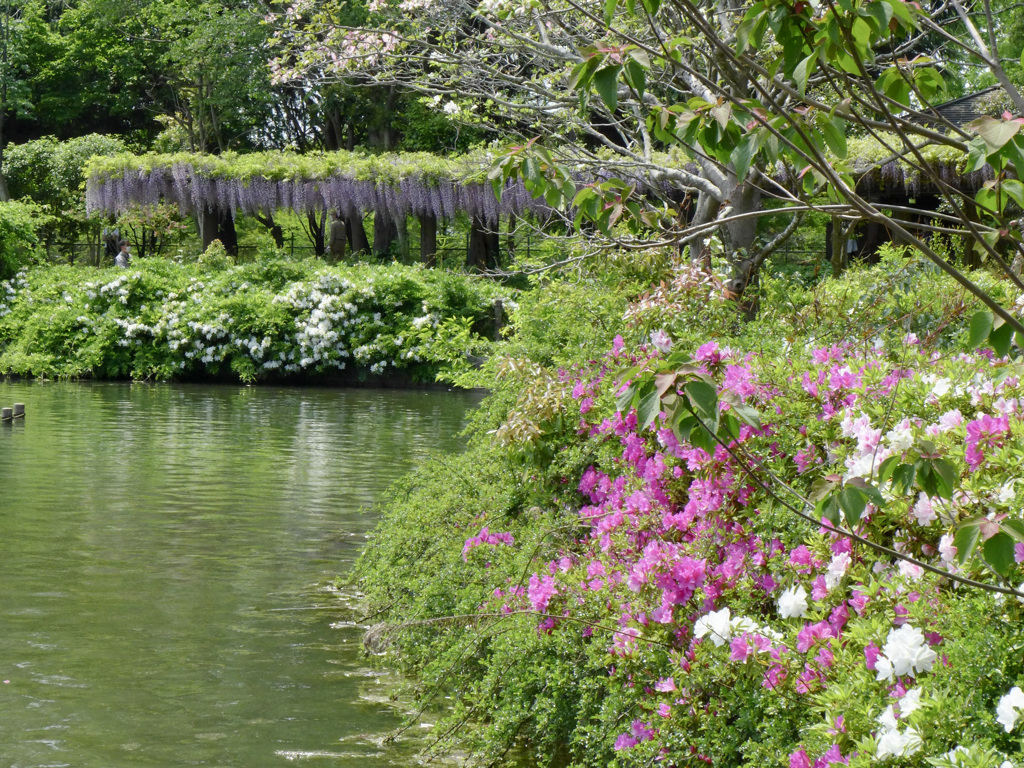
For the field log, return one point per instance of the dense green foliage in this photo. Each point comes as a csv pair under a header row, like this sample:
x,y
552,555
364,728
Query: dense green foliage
x,y
51,173
272,318
19,223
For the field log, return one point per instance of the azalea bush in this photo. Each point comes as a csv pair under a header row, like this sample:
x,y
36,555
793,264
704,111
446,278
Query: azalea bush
x,y
792,554
273,318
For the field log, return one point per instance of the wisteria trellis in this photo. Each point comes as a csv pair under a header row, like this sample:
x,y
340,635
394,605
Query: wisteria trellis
x,y
397,185
353,187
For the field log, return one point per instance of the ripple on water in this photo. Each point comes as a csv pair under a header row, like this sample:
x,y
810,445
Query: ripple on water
x,y
159,549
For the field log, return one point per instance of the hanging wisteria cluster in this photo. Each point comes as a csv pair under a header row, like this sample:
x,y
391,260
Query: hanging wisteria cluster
x,y
395,185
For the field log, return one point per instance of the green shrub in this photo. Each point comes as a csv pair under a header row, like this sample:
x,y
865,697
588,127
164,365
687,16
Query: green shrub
x,y
19,241
267,319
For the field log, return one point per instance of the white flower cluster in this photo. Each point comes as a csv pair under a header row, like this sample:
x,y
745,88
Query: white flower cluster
x,y
906,652
891,741
793,603
1009,708
9,291
721,626
322,324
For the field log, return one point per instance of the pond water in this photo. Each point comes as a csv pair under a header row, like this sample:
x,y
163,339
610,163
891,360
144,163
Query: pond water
x,y
164,552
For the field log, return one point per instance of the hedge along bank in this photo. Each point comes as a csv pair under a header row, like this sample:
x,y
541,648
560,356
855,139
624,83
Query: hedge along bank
x,y
270,319
663,605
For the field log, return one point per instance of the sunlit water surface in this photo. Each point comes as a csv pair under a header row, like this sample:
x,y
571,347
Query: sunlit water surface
x,y
163,555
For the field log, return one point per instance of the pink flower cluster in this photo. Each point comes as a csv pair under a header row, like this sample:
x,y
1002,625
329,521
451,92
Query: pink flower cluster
x,y
984,432
673,547
486,537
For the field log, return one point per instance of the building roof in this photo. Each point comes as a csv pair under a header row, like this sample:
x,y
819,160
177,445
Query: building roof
x,y
959,112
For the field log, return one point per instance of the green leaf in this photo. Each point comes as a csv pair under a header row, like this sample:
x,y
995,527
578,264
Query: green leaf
x,y
1014,188
745,30
946,477
684,427
992,204
802,71
994,131
636,76
998,552
625,401
834,131
703,398
746,414
1013,152
903,478
606,81
861,32
1014,527
853,502
881,13
700,437
981,327
1001,338
965,541
820,488
904,12
885,471
977,155
929,81
609,10
829,509
648,409
743,156
926,478
871,493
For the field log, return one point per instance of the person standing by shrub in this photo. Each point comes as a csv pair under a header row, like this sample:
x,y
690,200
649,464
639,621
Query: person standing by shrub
x,y
123,257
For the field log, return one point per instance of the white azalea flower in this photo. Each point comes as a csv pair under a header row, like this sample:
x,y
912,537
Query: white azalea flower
x,y
908,651
1007,711
716,624
793,603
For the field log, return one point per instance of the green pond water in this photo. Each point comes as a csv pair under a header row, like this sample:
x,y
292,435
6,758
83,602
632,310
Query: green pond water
x,y
164,554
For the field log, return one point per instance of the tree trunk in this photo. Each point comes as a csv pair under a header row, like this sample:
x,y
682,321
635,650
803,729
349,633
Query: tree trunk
x,y
838,247
339,237
5,195
357,235
275,229
402,231
476,250
384,233
510,239
738,238
316,231
226,232
428,240
492,242
206,220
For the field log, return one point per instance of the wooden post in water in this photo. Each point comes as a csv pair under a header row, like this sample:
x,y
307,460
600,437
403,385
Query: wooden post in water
x,y
6,414
19,410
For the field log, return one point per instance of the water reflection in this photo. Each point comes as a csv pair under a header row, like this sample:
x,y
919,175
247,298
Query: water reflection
x,y
159,547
